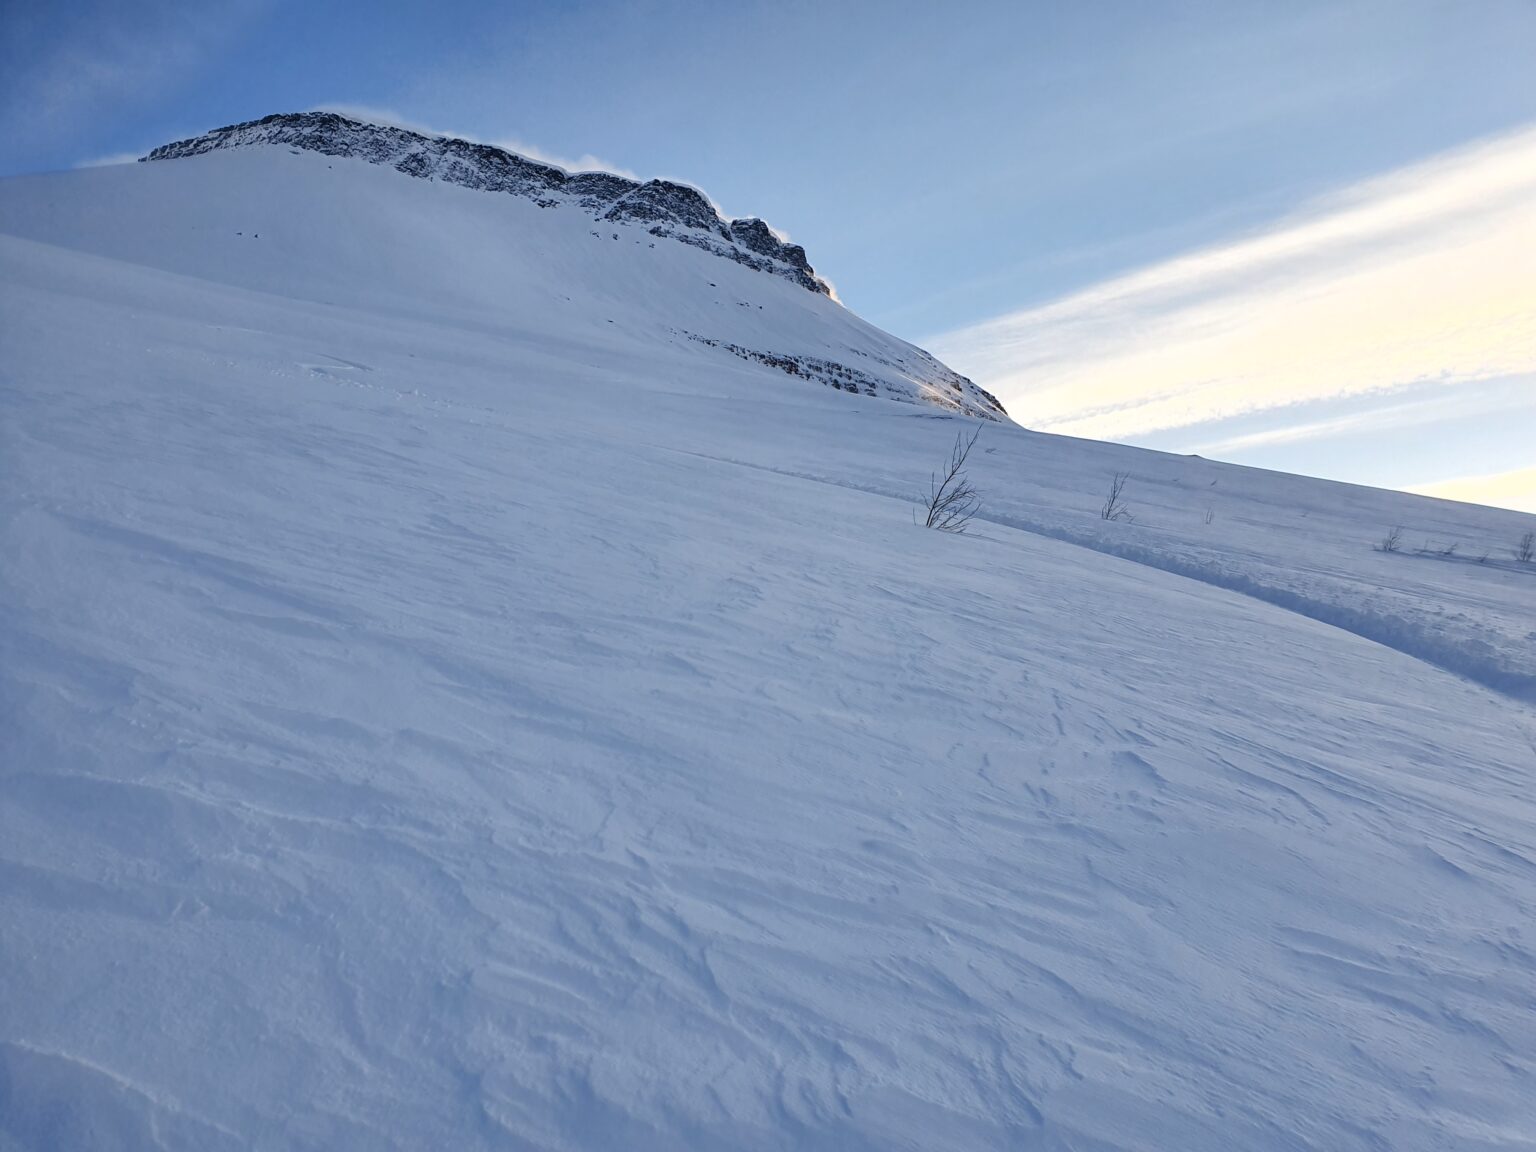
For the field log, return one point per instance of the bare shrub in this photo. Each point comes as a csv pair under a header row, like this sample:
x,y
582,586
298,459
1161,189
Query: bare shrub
x,y
952,500
1392,541
1444,551
1525,550
1115,507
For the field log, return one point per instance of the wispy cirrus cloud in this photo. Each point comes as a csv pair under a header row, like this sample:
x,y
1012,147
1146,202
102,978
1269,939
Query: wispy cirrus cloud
x,y
61,76
1419,276
1497,401
1513,489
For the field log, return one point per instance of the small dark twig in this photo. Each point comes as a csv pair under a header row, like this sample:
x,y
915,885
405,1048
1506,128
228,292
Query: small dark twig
x,y
952,501
1114,507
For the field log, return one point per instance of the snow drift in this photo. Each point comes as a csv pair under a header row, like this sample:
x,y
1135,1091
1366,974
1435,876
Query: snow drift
x,y
458,689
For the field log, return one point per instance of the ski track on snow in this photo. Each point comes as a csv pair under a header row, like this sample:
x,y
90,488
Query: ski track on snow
x,y
1394,632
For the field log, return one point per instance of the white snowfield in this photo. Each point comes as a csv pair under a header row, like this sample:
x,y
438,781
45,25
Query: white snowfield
x,y
442,706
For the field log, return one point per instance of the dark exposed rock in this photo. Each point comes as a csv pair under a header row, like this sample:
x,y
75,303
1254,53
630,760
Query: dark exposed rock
x,y
901,385
662,200
756,236
597,190
666,208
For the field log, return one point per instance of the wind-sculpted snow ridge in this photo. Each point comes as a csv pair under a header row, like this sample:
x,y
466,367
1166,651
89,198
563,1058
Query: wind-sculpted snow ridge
x,y
665,208
442,705
1403,607
1466,648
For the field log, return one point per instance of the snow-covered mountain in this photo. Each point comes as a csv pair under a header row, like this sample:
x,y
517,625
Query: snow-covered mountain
x,y
665,208
467,682
571,253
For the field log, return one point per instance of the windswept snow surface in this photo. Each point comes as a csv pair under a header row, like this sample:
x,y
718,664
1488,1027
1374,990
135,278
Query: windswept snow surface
x,y
442,707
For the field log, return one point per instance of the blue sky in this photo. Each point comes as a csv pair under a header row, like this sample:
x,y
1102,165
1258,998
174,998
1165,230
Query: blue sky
x,y
1277,233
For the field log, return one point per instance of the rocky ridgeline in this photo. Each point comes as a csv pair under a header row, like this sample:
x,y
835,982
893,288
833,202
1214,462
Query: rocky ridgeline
x,y
665,208
920,380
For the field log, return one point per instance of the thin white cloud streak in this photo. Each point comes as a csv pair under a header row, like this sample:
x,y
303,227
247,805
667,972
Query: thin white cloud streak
x,y
1515,489
1409,408
583,163
1419,276
109,56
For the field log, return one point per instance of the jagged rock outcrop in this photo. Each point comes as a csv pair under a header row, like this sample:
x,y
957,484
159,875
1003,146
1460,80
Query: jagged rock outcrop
x,y
666,208
920,380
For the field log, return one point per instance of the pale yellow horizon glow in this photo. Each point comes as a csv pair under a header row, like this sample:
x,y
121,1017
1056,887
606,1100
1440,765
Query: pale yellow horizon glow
x,y
1426,275
1515,489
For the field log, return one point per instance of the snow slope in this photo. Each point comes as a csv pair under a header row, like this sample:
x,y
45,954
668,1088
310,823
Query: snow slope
x,y
518,261
442,706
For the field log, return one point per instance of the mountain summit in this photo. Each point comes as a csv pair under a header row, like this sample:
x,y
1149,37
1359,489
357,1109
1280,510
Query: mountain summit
x,y
550,250
665,208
